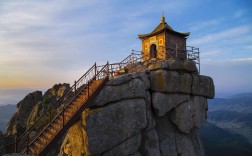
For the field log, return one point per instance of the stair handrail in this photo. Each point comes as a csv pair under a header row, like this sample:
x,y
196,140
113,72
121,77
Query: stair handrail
x,y
65,106
55,104
58,103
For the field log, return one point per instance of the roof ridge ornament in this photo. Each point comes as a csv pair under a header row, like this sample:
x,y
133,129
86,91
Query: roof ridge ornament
x,y
163,18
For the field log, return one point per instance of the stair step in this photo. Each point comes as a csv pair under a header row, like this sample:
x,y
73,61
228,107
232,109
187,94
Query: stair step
x,y
55,126
35,150
72,109
52,129
39,144
67,114
82,94
43,139
59,119
48,134
74,103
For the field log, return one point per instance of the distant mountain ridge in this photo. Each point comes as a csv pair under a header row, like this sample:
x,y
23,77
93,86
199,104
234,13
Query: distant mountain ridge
x,y
219,142
236,103
6,111
229,131
241,95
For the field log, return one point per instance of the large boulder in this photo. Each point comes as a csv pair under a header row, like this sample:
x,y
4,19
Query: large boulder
x,y
159,65
180,82
185,83
135,88
73,143
174,65
203,86
190,114
128,147
172,142
111,125
190,66
164,81
150,143
163,103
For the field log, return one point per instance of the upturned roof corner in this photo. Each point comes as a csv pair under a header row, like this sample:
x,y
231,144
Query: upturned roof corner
x,y
162,27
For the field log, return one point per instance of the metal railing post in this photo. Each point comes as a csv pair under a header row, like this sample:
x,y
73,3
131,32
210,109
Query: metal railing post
x,y
108,69
95,71
88,89
75,88
133,56
50,113
63,116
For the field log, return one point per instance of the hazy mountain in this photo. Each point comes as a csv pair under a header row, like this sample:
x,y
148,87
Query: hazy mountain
x,y
236,103
219,142
5,114
229,131
233,114
241,95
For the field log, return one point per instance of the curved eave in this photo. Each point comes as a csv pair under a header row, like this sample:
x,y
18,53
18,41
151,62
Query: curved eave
x,y
184,34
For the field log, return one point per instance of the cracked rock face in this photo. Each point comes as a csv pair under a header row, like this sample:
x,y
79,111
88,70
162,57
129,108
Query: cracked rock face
x,y
163,103
155,113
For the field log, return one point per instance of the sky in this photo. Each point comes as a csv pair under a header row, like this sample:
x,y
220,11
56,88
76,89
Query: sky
x,y
45,42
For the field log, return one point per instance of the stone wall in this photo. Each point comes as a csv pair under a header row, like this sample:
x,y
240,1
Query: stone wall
x,y
153,113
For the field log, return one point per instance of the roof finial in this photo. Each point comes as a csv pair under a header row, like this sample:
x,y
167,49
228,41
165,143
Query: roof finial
x,y
163,18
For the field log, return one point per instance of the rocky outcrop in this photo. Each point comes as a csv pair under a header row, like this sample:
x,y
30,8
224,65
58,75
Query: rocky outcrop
x,y
32,107
50,97
153,113
17,123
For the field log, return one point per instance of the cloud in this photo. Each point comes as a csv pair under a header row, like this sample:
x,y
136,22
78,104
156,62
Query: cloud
x,y
201,25
239,13
243,60
223,35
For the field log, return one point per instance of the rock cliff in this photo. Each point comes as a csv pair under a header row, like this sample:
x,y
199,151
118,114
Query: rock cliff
x,y
18,121
152,113
32,106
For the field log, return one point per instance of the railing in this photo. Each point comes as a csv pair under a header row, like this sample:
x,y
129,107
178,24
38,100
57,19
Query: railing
x,y
187,53
83,83
54,110
193,54
129,62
